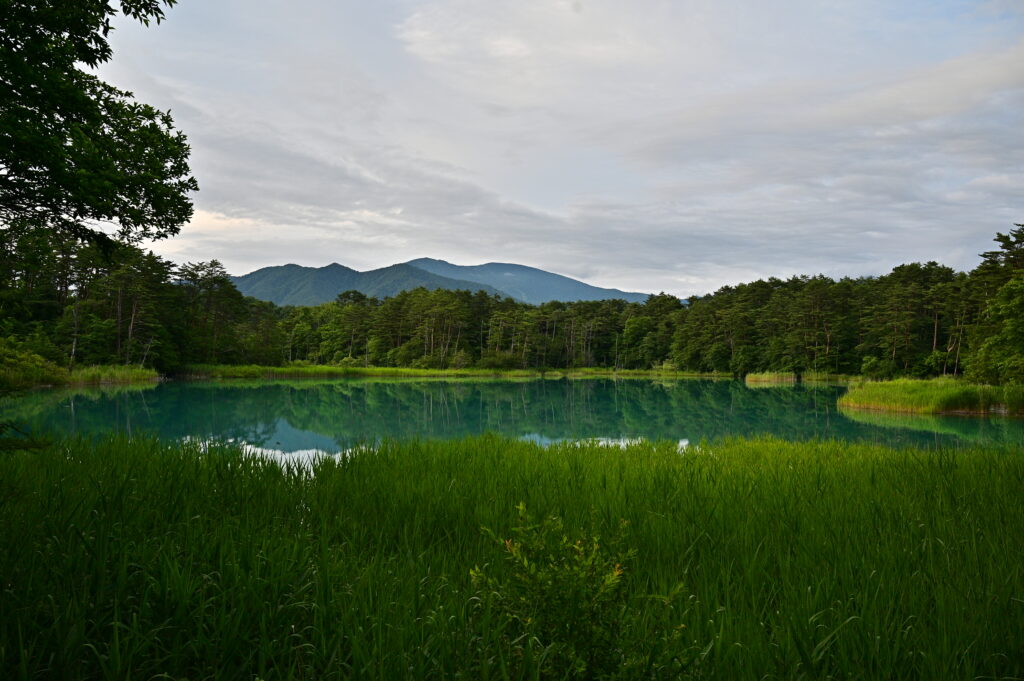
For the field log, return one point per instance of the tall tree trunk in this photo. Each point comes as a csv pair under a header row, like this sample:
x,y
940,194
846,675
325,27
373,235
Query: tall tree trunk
x,y
131,331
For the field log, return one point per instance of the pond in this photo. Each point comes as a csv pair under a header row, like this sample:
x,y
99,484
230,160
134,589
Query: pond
x,y
330,416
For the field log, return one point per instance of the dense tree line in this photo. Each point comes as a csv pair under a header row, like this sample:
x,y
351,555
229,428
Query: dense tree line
x,y
76,303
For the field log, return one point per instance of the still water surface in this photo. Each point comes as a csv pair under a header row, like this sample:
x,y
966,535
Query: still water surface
x,y
314,416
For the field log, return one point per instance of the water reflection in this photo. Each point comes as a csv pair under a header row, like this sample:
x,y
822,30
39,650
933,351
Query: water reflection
x,y
304,417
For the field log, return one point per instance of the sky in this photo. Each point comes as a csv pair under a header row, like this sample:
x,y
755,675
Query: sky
x,y
649,145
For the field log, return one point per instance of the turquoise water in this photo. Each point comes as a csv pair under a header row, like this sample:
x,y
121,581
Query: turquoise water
x,y
331,416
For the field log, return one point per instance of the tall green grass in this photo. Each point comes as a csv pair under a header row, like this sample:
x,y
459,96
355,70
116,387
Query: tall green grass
x,y
219,371
770,377
111,374
25,375
761,378
934,396
824,377
224,371
739,560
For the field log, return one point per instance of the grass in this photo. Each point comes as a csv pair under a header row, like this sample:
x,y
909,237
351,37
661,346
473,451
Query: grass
x,y
934,396
219,371
739,560
223,371
762,378
21,369
24,376
111,375
773,377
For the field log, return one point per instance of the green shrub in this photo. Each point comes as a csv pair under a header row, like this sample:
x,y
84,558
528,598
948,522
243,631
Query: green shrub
x,y
565,606
21,368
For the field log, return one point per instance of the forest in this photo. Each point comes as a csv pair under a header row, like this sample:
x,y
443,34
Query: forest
x,y
73,303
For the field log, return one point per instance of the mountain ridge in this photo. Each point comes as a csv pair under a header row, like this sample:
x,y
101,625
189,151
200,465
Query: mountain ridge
x,y
299,285
525,283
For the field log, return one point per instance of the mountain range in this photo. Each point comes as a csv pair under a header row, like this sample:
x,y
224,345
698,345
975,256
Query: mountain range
x,y
298,285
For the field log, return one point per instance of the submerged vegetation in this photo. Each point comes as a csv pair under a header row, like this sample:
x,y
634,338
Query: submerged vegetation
x,y
935,396
727,561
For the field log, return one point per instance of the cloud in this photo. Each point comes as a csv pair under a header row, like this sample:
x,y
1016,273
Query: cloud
x,y
653,145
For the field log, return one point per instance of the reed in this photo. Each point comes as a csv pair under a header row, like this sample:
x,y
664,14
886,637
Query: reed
x,y
761,378
770,377
744,559
111,375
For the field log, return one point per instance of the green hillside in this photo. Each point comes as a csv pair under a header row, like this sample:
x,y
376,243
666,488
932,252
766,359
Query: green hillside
x,y
303,286
528,284
298,285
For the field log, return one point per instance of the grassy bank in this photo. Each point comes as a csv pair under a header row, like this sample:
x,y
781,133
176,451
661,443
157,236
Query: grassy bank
x,y
934,396
21,369
770,378
111,375
742,560
23,376
225,371
761,378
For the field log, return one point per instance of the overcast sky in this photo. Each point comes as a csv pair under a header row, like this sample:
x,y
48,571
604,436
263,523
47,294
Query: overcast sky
x,y
648,145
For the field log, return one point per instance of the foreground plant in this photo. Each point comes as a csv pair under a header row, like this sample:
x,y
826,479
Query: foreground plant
x,y
566,610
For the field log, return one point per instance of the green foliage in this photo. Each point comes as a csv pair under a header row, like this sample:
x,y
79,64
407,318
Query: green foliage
x,y
1001,356
73,306
21,369
344,369
564,606
935,396
770,377
877,369
101,375
75,151
818,560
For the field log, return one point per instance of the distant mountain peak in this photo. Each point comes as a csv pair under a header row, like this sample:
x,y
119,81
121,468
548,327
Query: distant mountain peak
x,y
528,284
293,284
419,261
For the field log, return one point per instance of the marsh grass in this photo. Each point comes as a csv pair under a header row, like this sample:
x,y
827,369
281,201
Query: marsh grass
x,y
219,371
770,377
934,396
302,370
27,375
747,560
111,375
